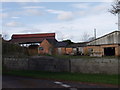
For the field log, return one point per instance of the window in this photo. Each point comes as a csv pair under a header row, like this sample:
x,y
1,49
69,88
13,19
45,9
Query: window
x,y
41,48
90,50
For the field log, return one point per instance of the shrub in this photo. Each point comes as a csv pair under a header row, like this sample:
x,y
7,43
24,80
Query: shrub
x,y
13,49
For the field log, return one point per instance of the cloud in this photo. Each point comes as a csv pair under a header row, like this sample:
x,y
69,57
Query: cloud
x,y
88,9
30,30
1,9
20,1
95,16
3,15
74,29
101,7
65,16
55,11
25,12
57,0
81,5
15,17
33,12
83,9
62,15
33,7
13,24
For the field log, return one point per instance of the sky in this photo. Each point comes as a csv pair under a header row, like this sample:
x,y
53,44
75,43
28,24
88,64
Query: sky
x,y
69,20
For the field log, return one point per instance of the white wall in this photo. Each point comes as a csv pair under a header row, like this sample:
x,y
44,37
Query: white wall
x,y
113,38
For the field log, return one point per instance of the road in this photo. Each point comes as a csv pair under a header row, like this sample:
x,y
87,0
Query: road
x,y
23,82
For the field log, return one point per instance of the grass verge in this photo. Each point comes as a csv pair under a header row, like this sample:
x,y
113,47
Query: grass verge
x,y
92,78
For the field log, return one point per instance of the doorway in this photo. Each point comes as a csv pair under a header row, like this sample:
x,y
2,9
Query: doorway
x,y
59,51
109,51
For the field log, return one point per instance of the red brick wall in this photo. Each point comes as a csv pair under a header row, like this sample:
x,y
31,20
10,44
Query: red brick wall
x,y
100,49
69,50
117,49
60,50
96,50
33,50
47,48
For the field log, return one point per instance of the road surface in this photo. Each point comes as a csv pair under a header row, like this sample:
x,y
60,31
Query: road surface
x,y
23,82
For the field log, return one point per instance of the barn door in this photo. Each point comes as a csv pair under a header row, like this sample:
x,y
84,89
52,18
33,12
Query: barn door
x,y
109,51
59,51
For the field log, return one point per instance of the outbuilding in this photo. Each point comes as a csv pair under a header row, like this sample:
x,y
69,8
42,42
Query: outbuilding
x,y
107,45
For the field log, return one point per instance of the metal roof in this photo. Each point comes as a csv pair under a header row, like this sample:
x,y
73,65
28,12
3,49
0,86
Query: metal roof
x,y
74,45
14,36
31,38
61,44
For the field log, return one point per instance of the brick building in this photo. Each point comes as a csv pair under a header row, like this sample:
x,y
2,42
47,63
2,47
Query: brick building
x,y
107,45
40,43
47,46
36,43
70,49
76,48
61,48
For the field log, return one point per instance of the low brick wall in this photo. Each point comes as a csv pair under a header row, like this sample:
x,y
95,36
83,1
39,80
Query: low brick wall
x,y
48,64
37,63
95,65
91,65
15,63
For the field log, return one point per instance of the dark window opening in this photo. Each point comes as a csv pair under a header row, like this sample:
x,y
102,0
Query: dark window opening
x,y
77,51
109,51
33,46
41,48
90,50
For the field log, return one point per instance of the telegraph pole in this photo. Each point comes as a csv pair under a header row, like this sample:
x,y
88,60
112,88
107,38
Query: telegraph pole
x,y
95,33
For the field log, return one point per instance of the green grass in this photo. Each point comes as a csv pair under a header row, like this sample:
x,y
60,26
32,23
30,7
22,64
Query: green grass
x,y
92,78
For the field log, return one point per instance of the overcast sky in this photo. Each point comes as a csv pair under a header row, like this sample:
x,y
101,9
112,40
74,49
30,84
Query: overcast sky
x,y
69,20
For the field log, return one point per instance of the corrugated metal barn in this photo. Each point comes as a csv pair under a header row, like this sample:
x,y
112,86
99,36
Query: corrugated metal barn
x,y
107,45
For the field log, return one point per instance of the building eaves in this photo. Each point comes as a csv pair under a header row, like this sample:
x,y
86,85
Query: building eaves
x,y
43,35
103,36
61,44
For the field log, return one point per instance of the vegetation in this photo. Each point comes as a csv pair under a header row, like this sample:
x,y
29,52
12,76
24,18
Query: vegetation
x,y
115,7
9,49
68,41
78,77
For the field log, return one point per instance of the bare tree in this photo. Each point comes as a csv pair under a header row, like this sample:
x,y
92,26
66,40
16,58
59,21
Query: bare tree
x,y
92,38
116,10
85,37
115,7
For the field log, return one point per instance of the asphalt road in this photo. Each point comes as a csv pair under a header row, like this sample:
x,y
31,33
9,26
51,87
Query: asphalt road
x,y
23,82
